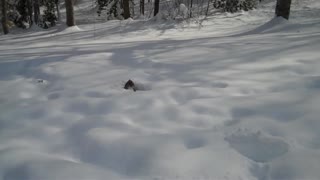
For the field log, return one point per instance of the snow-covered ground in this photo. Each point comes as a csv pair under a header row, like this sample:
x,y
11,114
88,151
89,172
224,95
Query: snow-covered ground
x,y
237,98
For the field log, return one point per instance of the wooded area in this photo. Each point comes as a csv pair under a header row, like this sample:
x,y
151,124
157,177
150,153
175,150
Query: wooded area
x,y
26,13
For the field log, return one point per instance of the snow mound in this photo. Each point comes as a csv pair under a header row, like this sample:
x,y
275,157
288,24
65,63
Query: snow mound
x,y
276,24
25,164
71,29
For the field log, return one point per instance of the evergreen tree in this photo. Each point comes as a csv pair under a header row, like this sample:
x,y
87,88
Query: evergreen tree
x,y
234,5
22,18
49,15
115,8
110,6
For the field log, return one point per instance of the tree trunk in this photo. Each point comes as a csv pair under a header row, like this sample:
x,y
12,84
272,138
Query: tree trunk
x,y
126,9
190,9
36,10
58,10
30,12
156,7
283,8
131,4
69,13
4,20
207,10
142,7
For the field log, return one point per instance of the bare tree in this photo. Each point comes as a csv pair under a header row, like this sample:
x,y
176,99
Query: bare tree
x,y
283,8
4,20
156,7
70,13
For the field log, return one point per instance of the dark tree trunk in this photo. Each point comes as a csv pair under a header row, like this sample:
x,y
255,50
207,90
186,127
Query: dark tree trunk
x,y
30,12
69,13
156,7
207,10
191,3
131,4
57,2
142,7
126,9
4,19
36,10
283,8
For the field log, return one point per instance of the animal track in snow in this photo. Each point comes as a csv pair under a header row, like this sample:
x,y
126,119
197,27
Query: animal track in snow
x,y
95,94
53,96
257,146
194,142
219,84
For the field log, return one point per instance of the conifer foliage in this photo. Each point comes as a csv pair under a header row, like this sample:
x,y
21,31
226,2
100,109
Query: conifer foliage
x,y
26,13
114,8
49,16
234,5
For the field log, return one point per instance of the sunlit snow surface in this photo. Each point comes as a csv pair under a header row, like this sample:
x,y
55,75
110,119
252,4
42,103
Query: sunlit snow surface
x,y
235,98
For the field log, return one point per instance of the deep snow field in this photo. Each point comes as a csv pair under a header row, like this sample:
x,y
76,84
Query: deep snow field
x,y
237,98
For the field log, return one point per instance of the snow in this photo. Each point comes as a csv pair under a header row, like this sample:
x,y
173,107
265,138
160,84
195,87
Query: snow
x,y
183,10
236,98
